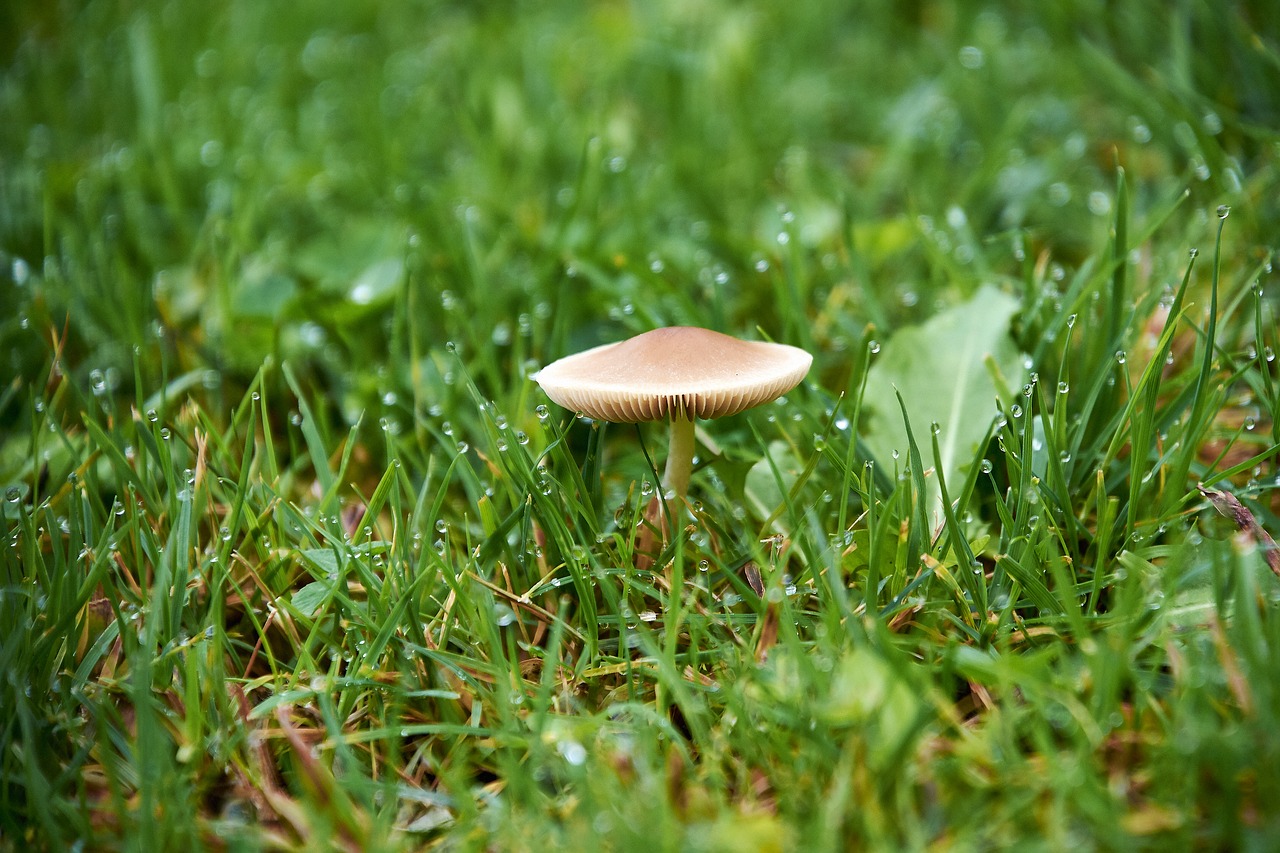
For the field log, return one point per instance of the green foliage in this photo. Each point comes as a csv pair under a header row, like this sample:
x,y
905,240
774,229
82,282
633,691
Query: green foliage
x,y
955,373
297,555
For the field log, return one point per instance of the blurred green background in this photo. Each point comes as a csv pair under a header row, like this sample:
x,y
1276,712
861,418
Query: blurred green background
x,y
188,189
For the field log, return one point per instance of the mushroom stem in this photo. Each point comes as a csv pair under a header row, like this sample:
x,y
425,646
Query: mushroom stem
x,y
679,455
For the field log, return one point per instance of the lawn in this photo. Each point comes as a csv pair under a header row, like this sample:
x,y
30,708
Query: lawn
x,y
300,556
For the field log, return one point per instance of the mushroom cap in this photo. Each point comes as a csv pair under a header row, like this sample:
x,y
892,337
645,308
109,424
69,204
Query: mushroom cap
x,y
680,371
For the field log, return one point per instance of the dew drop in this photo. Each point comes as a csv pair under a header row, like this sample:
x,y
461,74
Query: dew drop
x,y
572,752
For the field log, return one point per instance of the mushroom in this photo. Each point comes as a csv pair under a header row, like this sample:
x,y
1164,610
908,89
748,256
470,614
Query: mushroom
x,y
679,373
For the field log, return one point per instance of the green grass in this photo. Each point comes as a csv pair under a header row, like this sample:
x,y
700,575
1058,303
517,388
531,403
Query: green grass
x,y
298,555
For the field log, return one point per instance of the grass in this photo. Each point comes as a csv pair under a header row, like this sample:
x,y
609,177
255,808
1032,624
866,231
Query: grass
x,y
299,556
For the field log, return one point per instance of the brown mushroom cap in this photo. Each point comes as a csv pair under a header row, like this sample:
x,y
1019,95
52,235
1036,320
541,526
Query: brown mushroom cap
x,y
674,372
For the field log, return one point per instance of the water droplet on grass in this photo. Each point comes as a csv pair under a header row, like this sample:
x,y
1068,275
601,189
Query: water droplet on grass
x,y
20,270
572,752
971,57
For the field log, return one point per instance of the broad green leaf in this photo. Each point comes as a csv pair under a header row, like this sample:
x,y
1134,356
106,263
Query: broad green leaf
x,y
869,693
766,491
377,282
362,261
310,597
262,292
324,560
941,369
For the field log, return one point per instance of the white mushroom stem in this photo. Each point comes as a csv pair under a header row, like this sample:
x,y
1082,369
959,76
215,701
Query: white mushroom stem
x,y
679,456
